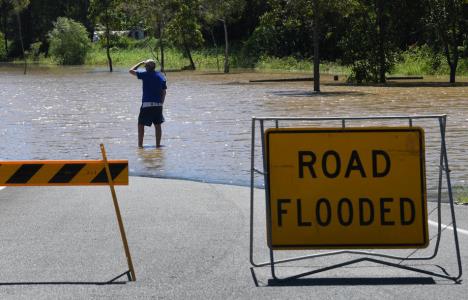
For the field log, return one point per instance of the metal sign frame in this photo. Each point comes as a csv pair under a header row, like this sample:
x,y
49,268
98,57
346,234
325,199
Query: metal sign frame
x,y
366,255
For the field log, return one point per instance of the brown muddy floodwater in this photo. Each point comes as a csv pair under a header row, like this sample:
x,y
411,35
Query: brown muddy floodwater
x,y
65,113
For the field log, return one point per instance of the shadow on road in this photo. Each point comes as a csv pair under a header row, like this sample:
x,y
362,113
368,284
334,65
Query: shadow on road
x,y
61,283
109,282
352,281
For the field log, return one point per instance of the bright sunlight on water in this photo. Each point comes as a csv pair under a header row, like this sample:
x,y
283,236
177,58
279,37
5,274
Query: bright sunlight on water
x,y
65,113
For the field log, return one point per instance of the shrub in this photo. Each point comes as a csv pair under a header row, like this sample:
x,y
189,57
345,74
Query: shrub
x,y
35,51
69,42
116,41
419,60
363,71
144,43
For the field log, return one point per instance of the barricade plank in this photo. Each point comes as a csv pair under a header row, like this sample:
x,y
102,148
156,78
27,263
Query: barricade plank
x,y
62,172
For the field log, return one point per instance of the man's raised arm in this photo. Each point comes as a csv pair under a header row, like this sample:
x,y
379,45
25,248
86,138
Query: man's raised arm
x,y
135,67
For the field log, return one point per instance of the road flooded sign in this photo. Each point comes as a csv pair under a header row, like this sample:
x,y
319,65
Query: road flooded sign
x,y
346,188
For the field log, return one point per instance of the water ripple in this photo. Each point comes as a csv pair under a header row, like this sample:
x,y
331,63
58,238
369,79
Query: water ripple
x,y
65,113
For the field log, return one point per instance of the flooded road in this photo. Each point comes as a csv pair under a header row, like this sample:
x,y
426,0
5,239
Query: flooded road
x,y
65,113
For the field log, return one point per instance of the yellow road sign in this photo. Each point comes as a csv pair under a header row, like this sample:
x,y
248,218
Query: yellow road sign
x,y
62,172
346,188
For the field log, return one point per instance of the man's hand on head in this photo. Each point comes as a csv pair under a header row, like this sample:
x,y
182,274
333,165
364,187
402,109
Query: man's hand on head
x,y
135,67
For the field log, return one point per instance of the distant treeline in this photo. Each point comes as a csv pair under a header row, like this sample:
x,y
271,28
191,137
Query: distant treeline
x,y
366,35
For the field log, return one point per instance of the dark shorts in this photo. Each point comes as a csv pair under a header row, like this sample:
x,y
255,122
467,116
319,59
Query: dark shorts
x,y
151,115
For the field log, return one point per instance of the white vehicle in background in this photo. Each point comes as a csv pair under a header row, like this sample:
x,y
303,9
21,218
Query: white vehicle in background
x,y
137,34
95,37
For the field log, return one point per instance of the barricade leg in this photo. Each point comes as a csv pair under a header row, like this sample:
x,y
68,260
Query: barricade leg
x,y
119,217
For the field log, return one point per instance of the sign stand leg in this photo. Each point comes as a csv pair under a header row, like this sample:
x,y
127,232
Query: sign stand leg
x,y
131,276
442,122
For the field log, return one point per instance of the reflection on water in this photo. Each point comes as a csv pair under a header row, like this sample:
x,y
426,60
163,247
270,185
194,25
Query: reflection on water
x,y
64,113
151,157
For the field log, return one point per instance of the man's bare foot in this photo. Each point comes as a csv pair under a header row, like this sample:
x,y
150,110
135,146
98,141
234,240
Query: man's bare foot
x,y
140,146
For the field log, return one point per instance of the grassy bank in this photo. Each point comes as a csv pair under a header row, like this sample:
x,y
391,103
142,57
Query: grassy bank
x,y
421,61
209,60
412,62
416,61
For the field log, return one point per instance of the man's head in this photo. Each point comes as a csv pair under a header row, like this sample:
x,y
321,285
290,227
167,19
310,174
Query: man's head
x,y
150,65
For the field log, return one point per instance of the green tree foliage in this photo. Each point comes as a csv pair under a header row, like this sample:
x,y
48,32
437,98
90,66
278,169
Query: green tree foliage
x,y
10,11
184,29
226,12
36,20
370,43
449,26
298,28
360,44
41,15
69,42
18,7
155,14
367,35
285,29
5,9
107,13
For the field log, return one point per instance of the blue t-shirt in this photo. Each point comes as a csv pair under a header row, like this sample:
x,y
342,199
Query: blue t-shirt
x,y
153,84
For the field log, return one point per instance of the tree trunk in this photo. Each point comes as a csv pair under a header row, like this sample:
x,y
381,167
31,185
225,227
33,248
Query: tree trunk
x,y
455,42
226,48
447,28
189,55
216,47
316,48
21,42
452,58
4,24
454,63
6,44
109,58
161,45
453,72
380,25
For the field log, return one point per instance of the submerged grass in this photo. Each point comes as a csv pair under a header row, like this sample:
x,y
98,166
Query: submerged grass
x,y
461,194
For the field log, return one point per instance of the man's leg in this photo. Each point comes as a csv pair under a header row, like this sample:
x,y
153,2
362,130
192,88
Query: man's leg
x,y
158,130
141,135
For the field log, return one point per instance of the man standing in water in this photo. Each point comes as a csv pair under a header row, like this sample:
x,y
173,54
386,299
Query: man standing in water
x,y
154,93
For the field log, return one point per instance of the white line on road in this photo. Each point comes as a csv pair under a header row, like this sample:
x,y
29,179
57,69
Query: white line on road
x,y
463,231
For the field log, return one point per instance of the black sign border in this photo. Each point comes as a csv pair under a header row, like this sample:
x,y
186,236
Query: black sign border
x,y
422,172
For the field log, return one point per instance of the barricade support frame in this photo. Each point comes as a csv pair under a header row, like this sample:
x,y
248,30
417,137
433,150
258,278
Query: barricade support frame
x,y
443,169
130,273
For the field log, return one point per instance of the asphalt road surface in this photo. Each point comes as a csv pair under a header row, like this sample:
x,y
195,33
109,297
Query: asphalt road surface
x,y
188,240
